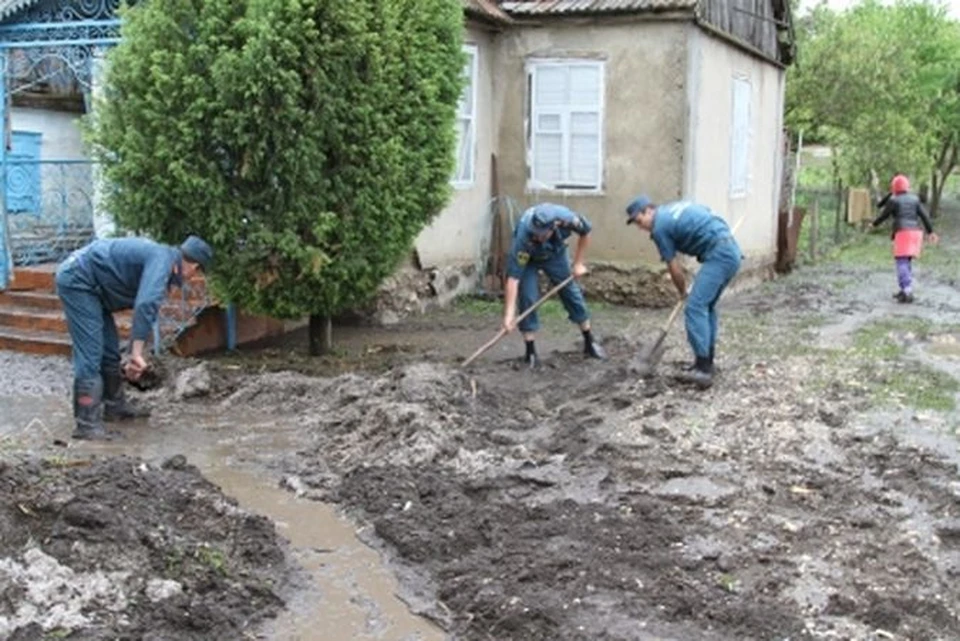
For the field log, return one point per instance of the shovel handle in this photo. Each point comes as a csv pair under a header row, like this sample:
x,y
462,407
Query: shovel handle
x,y
526,312
673,315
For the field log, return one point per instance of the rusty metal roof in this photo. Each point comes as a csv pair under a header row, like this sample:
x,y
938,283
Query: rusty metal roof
x,y
488,9
580,7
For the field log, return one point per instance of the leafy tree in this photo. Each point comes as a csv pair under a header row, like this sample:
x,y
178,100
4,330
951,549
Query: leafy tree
x,y
309,140
880,85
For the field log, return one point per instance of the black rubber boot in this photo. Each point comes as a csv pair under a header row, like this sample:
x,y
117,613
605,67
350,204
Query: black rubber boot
x,y
701,375
713,366
592,348
88,410
116,407
530,359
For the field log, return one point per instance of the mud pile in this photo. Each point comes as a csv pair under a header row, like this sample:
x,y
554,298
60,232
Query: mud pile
x,y
120,549
578,503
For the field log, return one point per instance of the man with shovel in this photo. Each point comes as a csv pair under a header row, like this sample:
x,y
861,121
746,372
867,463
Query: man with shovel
x,y
687,228
539,244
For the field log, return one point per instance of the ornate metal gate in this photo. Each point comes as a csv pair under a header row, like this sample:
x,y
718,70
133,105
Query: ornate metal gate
x,y
50,53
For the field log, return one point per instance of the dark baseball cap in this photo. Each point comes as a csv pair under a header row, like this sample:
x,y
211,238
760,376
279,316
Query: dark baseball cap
x,y
197,250
636,207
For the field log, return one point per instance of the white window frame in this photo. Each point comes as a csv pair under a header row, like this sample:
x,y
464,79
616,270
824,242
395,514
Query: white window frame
x,y
533,112
740,167
459,181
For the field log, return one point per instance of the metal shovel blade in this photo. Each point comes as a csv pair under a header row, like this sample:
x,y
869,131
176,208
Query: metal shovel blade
x,y
649,356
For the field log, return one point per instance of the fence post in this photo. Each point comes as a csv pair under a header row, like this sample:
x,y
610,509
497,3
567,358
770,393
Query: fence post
x,y
840,206
231,320
814,228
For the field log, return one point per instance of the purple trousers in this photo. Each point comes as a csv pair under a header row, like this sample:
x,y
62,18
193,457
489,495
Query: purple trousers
x,y
905,274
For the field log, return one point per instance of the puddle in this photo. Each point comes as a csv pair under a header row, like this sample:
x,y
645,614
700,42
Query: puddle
x,y
27,421
944,346
352,595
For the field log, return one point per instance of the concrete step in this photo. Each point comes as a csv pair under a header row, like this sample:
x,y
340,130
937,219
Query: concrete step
x,y
38,278
34,342
48,320
33,300
43,320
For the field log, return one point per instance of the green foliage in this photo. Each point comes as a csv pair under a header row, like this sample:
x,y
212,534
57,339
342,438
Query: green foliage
x,y
309,141
879,84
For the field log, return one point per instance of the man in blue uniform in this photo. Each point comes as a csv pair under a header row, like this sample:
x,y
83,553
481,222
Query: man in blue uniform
x,y
539,244
94,282
688,228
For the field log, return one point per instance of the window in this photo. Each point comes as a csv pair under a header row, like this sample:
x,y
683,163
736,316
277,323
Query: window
x,y
467,122
565,135
740,138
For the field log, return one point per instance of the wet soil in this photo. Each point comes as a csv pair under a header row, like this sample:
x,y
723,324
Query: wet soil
x,y
811,493
121,549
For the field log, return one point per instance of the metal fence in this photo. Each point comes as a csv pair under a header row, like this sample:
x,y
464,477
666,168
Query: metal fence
x,y
50,208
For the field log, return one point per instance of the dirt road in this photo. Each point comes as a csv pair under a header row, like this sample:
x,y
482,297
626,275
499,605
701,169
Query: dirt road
x,y
812,493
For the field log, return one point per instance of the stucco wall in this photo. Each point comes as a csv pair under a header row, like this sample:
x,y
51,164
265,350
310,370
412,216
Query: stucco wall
x,y
712,67
60,132
644,119
460,232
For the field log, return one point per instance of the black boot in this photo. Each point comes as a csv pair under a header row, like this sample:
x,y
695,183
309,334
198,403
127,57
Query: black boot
x,y
592,348
713,366
88,410
530,359
701,375
116,407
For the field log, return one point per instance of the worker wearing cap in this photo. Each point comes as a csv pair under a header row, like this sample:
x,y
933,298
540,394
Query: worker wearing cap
x,y
539,244
99,279
691,229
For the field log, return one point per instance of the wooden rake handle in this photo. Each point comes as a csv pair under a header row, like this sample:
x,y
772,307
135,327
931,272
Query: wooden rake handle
x,y
503,332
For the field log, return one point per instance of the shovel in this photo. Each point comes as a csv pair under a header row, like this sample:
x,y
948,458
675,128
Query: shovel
x,y
648,358
503,332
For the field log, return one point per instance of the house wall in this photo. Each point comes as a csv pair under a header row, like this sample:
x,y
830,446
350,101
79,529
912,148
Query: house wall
x,y
712,67
459,234
644,119
61,139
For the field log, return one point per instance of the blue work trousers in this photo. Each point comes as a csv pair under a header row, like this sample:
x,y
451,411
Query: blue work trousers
x,y
720,264
557,268
96,346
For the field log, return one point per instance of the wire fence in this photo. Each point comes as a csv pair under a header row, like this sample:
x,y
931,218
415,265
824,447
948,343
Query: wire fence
x,y
826,224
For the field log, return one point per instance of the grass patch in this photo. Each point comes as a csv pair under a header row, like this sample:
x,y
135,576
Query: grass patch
x,y
880,340
875,364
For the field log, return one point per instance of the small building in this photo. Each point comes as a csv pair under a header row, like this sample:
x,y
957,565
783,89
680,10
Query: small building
x,y
588,102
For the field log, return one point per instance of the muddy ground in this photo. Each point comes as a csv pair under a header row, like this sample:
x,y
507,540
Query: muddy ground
x,y
812,493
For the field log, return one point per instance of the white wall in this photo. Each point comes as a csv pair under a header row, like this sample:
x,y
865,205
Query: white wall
x,y
60,132
459,234
712,66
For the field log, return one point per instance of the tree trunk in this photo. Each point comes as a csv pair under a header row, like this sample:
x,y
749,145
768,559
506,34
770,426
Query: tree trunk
x,y
321,335
945,166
